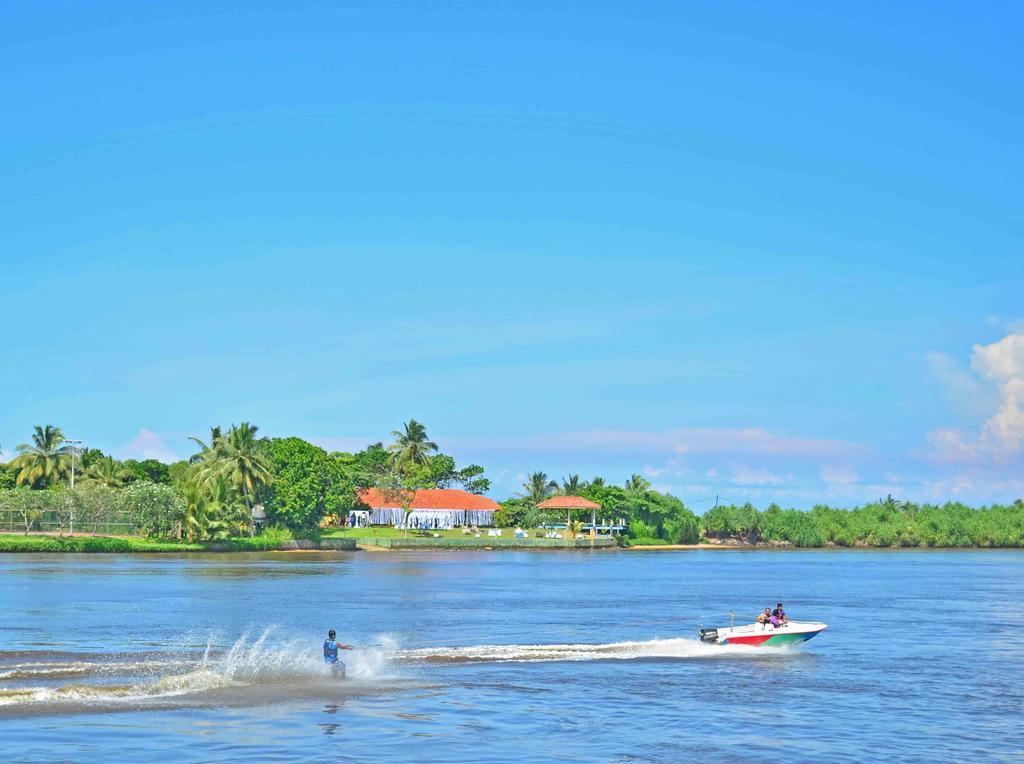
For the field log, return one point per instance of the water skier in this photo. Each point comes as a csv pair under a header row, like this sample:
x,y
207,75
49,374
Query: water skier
x,y
331,647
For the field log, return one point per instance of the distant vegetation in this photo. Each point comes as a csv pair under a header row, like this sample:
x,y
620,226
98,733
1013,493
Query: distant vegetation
x,y
886,523
299,488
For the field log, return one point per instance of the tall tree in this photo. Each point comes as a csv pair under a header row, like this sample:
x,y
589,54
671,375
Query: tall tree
x,y
107,471
236,456
242,461
637,484
205,448
45,460
538,487
411,448
573,485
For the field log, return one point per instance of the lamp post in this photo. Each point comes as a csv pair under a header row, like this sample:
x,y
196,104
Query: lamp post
x,y
74,452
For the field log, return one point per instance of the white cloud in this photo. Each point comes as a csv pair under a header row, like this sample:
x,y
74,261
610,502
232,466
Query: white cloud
x,y
1002,364
743,475
840,475
146,445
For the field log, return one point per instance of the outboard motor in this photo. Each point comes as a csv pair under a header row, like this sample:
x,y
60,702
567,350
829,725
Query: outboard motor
x,y
708,635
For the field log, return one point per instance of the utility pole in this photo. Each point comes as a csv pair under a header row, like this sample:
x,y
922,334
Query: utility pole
x,y
716,501
74,453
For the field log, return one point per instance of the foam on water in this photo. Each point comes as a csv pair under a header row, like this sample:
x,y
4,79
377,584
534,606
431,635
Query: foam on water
x,y
273,665
667,649
262,660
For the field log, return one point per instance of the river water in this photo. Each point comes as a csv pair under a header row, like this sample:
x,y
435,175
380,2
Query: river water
x,y
509,656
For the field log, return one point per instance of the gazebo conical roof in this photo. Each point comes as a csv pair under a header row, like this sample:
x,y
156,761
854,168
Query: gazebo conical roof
x,y
567,502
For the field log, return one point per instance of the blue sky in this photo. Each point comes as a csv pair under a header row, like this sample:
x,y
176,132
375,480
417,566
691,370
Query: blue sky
x,y
772,253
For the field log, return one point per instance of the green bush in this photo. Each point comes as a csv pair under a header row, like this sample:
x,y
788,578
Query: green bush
x,y
271,538
647,541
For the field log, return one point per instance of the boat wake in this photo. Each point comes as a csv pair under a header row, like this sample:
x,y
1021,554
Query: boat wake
x,y
655,649
256,670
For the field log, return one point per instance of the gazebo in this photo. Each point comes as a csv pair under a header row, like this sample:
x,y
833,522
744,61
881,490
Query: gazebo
x,y
569,503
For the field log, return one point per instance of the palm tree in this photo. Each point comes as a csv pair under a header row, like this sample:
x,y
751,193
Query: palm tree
x,y
87,457
597,482
44,461
637,484
241,460
108,471
411,446
211,508
573,486
538,487
215,435
236,456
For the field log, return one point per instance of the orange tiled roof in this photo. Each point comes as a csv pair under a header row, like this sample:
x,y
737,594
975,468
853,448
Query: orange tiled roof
x,y
429,498
567,502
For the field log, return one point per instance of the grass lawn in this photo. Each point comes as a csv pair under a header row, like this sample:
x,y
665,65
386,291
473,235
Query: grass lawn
x,y
39,543
46,543
398,533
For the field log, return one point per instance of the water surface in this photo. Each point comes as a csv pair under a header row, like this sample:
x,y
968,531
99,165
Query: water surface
x,y
508,656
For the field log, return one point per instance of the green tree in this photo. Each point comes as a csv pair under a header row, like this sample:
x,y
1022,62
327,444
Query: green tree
x,y
411,446
637,484
538,486
87,457
439,471
211,509
236,455
7,476
107,471
23,503
573,486
157,510
45,461
148,469
308,484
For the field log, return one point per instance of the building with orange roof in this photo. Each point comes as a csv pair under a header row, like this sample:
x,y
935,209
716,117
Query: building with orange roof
x,y
429,508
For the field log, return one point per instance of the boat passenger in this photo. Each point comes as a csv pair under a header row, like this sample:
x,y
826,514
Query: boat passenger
x,y
765,617
331,647
779,615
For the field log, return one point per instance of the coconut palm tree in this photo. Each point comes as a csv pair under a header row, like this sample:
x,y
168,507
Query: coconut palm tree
x,y
237,457
212,509
240,459
597,482
637,484
108,471
573,486
538,487
87,457
411,446
215,435
46,460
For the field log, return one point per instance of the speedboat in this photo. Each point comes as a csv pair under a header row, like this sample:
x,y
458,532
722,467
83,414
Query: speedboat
x,y
762,634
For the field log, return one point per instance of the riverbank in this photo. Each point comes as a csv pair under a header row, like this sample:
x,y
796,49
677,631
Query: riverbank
x,y
138,545
133,544
83,543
